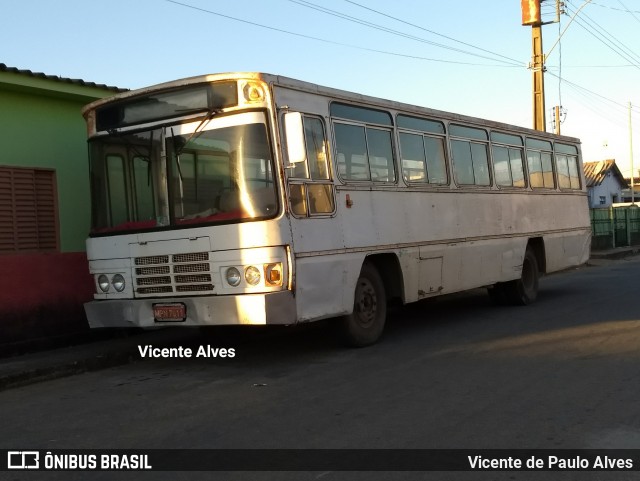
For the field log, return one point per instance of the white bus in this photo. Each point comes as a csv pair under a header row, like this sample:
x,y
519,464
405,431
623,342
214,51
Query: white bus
x,y
249,198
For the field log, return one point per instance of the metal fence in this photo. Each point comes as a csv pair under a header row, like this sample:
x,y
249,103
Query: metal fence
x,y
615,227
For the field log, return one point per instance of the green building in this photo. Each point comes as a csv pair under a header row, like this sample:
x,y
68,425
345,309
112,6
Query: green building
x,y
44,203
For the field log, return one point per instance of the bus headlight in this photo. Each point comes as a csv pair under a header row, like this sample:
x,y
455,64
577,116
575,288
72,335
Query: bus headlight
x,y
103,283
252,275
233,277
118,282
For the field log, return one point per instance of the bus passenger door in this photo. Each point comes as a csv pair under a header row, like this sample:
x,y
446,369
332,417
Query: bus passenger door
x,y
316,234
310,188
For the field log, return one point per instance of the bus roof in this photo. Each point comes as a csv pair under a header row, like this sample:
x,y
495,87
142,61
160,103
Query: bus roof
x,y
345,95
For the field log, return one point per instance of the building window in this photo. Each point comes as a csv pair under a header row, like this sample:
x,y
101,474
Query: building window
x,y
603,200
28,210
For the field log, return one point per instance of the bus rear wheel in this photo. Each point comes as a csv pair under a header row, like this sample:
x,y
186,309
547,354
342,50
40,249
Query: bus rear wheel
x,y
524,291
365,324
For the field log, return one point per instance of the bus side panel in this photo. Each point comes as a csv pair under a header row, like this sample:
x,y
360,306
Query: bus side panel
x,y
567,250
325,285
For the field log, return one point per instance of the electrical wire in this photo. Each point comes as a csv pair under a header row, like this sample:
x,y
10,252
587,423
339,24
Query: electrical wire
x,y
586,93
594,96
614,8
573,84
632,61
602,35
335,13
432,32
630,12
332,42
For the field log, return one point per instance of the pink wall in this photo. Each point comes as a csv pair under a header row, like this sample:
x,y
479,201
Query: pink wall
x,y
42,295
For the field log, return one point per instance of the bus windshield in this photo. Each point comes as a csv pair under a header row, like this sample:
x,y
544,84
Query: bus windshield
x,y
213,171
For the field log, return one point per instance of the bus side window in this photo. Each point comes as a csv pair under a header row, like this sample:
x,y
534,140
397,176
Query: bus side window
x,y
507,163
471,164
470,157
380,155
351,144
564,181
316,145
574,175
547,170
414,159
535,169
313,194
568,166
540,161
422,153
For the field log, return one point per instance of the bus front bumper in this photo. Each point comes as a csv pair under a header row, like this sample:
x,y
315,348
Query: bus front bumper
x,y
255,309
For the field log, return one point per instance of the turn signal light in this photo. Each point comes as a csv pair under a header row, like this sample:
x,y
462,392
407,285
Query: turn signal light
x,y
273,274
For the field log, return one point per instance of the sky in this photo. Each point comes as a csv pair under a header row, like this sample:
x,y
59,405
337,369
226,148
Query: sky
x,y
470,57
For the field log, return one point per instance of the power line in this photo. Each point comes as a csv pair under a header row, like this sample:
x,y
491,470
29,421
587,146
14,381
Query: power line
x,y
614,8
606,33
432,32
335,13
595,66
602,35
630,12
603,107
332,42
608,44
568,82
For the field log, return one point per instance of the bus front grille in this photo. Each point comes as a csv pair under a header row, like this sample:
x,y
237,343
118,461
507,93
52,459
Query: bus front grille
x,y
171,274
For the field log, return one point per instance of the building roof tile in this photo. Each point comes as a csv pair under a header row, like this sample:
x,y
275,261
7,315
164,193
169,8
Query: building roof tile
x,y
596,172
5,68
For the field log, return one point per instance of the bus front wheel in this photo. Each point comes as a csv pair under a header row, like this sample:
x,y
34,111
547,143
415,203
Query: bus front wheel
x,y
365,324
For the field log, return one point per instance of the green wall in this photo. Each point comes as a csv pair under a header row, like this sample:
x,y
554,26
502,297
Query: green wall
x,y
44,128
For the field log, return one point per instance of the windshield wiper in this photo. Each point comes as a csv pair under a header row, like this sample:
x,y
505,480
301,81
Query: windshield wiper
x,y
195,134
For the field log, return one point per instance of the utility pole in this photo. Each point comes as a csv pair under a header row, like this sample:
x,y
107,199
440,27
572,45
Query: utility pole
x,y
531,16
537,67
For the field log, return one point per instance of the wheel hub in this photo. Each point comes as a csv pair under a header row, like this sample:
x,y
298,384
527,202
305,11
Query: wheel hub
x,y
366,303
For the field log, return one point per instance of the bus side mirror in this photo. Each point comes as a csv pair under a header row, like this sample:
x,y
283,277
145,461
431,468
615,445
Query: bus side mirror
x,y
294,133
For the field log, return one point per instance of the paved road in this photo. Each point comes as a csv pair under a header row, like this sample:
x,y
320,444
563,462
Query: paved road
x,y
455,372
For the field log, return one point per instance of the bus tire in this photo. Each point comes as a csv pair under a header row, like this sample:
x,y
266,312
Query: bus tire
x,y
524,291
365,324
498,294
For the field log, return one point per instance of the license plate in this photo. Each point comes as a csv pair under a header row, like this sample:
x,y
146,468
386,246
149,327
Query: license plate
x,y
174,312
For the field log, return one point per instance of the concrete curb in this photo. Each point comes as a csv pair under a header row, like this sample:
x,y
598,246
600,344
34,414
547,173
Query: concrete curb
x,y
48,373
619,253
53,364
